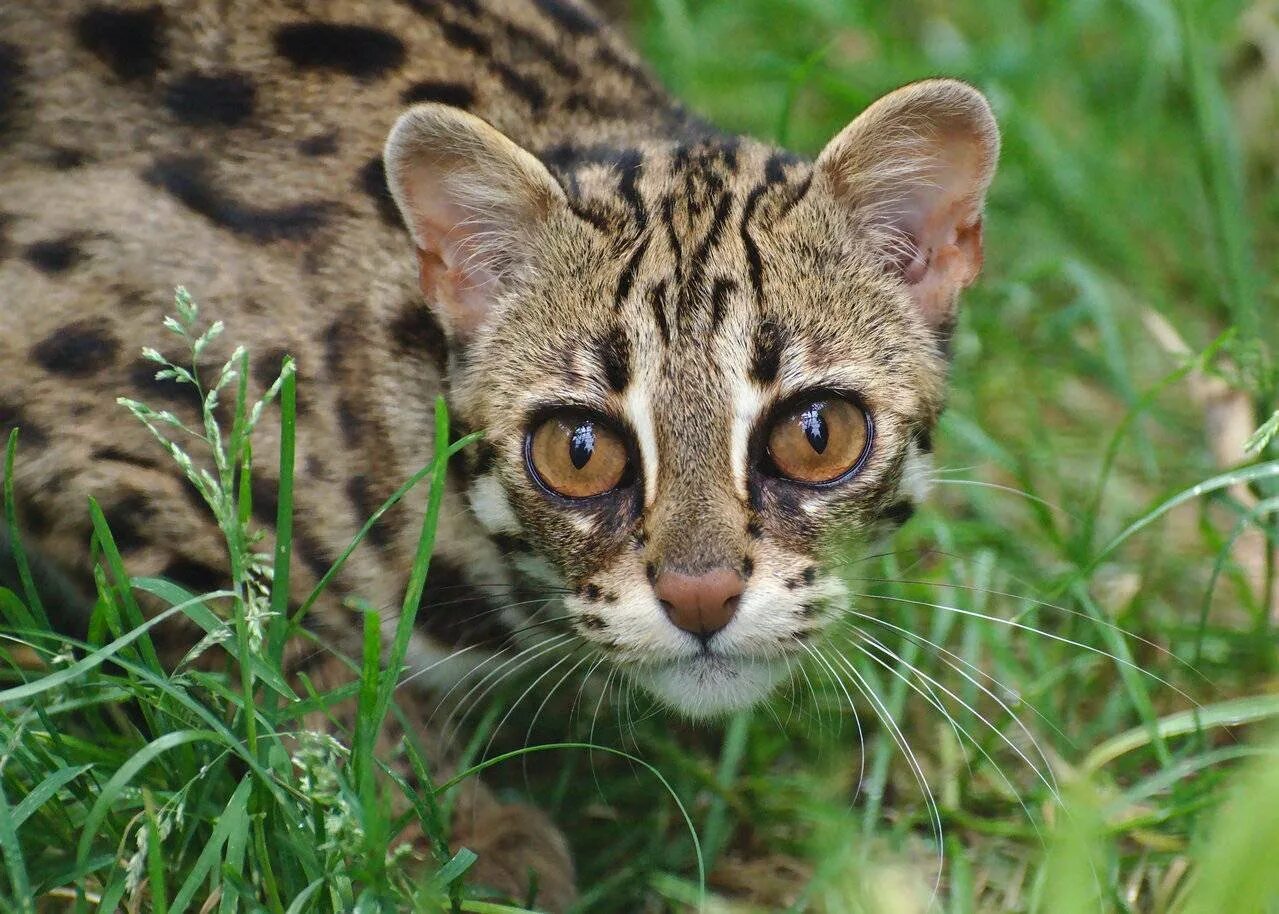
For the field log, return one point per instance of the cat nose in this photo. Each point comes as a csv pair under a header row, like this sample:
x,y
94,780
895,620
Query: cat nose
x,y
700,604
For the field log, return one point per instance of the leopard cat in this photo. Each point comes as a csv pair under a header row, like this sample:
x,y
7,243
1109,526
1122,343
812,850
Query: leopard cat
x,y
698,361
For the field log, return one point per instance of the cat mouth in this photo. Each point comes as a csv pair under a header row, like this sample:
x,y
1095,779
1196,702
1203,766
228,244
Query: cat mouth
x,y
709,684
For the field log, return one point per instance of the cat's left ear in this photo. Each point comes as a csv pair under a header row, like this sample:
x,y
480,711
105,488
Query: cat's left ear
x,y
473,201
914,168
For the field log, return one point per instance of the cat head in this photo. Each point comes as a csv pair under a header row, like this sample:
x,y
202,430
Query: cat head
x,y
703,368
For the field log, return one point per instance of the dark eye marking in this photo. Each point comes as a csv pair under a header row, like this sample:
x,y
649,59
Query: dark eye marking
x,y
591,593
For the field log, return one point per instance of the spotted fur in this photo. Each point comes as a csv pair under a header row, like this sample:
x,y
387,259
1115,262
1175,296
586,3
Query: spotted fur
x,y
604,249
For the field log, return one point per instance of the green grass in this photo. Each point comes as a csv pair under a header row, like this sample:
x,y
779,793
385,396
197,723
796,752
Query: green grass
x,y
1071,639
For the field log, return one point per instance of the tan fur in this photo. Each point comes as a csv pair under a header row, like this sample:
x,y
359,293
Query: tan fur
x,y
575,239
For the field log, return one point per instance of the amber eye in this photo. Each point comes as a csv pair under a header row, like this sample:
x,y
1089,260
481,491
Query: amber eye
x,y
577,456
819,440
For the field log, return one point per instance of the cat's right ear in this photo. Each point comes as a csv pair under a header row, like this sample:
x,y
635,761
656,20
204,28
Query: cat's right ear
x,y
473,202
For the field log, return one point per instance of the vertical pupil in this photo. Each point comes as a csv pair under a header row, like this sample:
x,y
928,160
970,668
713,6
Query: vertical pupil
x,y
815,427
581,444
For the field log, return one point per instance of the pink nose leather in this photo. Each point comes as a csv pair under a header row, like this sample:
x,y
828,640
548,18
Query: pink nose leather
x,y
700,604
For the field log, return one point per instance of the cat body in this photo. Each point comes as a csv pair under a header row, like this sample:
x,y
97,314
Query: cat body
x,y
702,365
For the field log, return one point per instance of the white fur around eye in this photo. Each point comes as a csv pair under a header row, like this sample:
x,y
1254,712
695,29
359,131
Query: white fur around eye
x,y
917,473
491,507
641,416
748,402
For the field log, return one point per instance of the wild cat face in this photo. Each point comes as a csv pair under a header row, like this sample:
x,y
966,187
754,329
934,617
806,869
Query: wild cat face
x,y
701,366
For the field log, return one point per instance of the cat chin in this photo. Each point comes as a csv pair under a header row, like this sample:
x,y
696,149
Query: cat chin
x,y
704,687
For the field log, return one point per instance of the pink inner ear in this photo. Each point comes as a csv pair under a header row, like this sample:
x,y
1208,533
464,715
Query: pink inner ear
x,y
462,294
943,268
452,271
941,233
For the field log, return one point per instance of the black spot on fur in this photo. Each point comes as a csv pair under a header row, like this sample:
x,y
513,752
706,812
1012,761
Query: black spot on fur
x,y
365,503
810,610
592,622
569,16
356,50
748,567
31,434
754,529
525,87
924,440
65,158
810,575
129,41
211,99
509,543
76,350
650,571
900,513
767,358
431,8
465,38
313,554
614,353
459,95
128,521
455,611
11,73
187,178
116,455
350,422
322,144
372,180
57,255
416,332
196,577
591,593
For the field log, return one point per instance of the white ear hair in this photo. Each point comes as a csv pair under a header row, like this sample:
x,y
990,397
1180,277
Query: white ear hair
x,y
472,200
915,167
